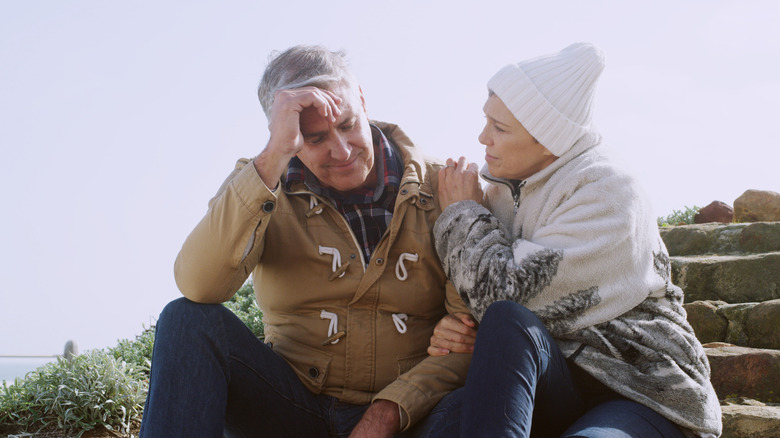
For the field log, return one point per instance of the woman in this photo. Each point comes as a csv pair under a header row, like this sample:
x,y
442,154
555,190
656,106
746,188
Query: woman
x,y
582,332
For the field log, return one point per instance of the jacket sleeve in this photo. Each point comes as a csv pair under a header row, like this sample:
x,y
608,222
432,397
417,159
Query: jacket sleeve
x,y
419,390
226,245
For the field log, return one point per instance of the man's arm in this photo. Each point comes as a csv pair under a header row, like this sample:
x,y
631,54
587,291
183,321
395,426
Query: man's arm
x,y
421,388
223,249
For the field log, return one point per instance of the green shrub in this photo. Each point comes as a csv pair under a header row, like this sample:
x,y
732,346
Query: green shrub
x,y
679,217
137,352
93,390
101,388
244,305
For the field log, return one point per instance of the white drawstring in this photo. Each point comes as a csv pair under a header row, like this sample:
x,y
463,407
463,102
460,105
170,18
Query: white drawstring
x,y
400,269
333,327
336,257
398,320
313,203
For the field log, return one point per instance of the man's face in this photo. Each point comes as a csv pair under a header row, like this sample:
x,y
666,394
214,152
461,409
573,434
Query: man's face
x,y
340,154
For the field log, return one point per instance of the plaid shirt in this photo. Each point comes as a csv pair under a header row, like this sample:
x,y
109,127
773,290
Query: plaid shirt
x,y
368,211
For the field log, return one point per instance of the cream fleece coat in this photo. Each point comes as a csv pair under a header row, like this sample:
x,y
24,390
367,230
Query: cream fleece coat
x,y
576,243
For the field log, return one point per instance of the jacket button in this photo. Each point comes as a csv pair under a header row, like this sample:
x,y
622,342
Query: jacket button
x,y
314,372
380,261
268,206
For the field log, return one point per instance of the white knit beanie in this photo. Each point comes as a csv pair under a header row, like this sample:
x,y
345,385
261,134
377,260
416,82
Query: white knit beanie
x,y
552,95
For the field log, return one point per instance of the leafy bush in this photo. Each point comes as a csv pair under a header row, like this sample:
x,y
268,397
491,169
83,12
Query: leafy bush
x,y
679,217
93,390
244,305
101,388
136,352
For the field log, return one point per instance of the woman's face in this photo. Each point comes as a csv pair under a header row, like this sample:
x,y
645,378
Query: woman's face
x,y
511,151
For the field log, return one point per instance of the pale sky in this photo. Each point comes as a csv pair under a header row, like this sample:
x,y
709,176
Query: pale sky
x,y
120,119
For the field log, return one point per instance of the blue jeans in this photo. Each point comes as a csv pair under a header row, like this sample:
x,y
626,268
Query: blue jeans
x,y
211,376
520,385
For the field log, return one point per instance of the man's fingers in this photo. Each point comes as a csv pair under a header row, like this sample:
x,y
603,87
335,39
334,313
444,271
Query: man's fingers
x,y
435,351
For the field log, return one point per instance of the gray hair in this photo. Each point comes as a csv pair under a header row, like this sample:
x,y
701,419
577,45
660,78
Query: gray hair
x,y
302,66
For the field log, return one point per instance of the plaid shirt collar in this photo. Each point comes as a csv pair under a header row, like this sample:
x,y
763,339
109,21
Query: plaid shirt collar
x,y
388,162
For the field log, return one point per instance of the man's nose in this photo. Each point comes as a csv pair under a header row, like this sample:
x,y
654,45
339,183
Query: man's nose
x,y
340,148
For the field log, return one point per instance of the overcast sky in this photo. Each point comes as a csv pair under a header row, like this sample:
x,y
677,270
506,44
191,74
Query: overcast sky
x,y
120,119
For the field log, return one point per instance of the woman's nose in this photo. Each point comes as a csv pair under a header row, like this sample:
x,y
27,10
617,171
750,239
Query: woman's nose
x,y
482,137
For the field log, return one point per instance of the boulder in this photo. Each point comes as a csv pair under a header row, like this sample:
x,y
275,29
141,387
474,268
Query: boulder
x,y
763,325
745,372
707,324
757,206
745,418
716,211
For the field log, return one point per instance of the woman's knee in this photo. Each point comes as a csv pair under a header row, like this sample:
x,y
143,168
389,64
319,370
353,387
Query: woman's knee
x,y
500,313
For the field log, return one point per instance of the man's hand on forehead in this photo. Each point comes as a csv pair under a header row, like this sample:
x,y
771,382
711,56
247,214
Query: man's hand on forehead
x,y
284,126
325,102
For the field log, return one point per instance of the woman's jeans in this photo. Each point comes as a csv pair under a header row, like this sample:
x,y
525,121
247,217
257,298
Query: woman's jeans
x,y
520,385
211,376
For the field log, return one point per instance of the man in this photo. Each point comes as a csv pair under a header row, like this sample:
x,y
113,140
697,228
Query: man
x,y
333,219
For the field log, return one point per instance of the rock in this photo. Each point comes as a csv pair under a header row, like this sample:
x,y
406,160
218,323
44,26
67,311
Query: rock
x,y
71,350
716,211
747,372
684,240
707,324
737,315
745,418
763,325
760,237
718,238
731,278
757,206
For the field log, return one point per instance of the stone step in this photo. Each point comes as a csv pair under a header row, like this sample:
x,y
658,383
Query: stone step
x,y
746,418
729,278
744,372
716,238
754,325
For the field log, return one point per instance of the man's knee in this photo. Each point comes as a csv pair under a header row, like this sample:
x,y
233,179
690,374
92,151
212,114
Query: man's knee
x,y
181,312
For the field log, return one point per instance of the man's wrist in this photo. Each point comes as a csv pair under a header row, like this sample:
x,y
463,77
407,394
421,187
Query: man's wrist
x,y
270,169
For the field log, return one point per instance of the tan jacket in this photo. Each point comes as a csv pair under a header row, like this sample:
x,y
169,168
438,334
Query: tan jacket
x,y
308,267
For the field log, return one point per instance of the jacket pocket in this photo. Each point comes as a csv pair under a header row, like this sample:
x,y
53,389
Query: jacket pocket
x,y
407,363
310,364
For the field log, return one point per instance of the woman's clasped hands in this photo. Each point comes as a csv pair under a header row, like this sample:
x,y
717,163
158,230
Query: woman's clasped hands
x,y
459,181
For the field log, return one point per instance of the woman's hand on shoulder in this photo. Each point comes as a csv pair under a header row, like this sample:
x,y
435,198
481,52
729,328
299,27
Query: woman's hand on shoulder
x,y
453,334
459,181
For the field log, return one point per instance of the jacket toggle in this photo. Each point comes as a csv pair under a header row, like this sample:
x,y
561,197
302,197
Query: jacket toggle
x,y
333,334
400,268
314,207
398,320
338,269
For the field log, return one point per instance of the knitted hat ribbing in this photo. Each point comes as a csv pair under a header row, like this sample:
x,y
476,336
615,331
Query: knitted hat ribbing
x,y
552,95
